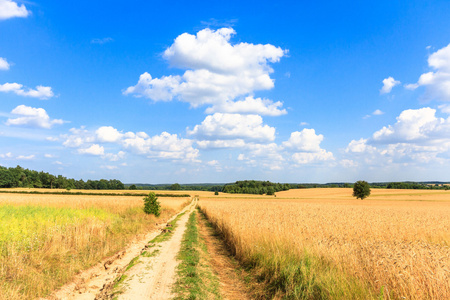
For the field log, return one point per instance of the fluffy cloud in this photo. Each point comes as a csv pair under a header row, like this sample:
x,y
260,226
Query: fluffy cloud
x,y
413,125
4,65
10,9
157,89
32,117
249,105
108,134
217,72
93,150
306,145
437,82
215,164
78,137
267,156
310,157
378,113
41,92
165,145
348,163
212,50
221,144
20,157
307,140
115,157
418,136
6,155
388,84
233,126
359,146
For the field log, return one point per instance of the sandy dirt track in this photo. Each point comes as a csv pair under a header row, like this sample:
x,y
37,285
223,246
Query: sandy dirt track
x,y
97,282
153,277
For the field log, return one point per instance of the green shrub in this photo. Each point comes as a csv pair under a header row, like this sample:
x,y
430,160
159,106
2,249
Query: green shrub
x,y
361,189
152,205
216,193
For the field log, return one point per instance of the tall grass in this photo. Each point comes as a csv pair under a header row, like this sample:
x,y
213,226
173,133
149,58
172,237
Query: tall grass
x,y
340,249
44,242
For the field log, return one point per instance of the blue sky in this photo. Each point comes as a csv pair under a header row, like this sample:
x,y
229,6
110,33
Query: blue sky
x,y
189,92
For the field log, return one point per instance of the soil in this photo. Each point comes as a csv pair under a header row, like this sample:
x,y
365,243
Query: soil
x,y
224,266
153,277
98,281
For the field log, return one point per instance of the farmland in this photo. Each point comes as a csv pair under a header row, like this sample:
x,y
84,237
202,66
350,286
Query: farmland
x,y
46,239
322,243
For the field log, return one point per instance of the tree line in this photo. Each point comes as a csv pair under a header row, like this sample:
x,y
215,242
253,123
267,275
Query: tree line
x,y
20,177
255,187
177,187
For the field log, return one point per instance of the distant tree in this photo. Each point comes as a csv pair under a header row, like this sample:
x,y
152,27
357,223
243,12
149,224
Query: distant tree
x,y
102,185
361,189
132,187
152,205
175,187
6,178
216,193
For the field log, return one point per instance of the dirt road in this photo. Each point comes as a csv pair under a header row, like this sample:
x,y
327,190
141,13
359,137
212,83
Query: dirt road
x,y
156,273
153,277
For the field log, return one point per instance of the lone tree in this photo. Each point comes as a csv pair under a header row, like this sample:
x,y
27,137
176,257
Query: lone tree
x,y
361,189
152,205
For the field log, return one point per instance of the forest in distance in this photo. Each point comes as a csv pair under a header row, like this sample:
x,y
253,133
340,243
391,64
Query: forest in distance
x,y
19,177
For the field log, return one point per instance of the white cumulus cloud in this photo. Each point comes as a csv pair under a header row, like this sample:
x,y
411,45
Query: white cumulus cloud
x,y
233,126
221,144
10,9
437,82
78,137
6,155
306,147
306,140
417,137
95,149
413,125
249,105
41,92
217,72
32,117
378,113
165,145
310,157
388,84
108,134
4,65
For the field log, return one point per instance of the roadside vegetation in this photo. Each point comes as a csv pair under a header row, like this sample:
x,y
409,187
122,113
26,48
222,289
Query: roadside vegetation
x,y
324,244
195,277
46,239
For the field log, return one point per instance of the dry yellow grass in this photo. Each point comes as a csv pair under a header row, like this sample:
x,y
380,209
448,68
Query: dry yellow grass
x,y
112,204
46,239
396,241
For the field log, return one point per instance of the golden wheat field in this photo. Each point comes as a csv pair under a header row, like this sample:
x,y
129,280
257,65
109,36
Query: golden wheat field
x,y
46,239
323,243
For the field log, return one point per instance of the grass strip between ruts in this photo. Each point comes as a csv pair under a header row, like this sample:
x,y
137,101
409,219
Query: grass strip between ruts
x,y
195,277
